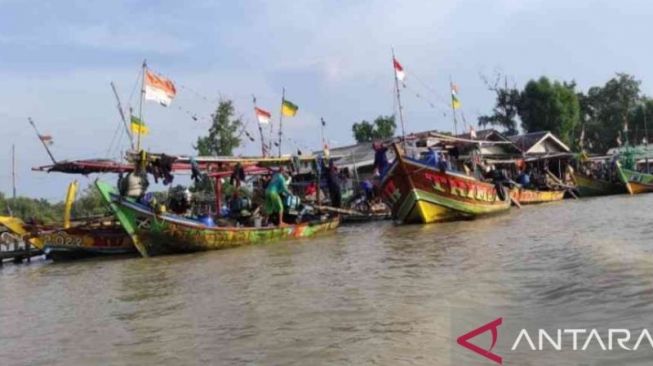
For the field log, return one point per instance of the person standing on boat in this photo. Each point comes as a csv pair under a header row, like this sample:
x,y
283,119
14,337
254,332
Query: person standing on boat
x,y
273,202
380,158
432,158
333,183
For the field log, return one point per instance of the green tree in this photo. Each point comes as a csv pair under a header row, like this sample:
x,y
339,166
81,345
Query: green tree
x,y
223,135
382,128
89,203
640,120
550,106
608,110
505,112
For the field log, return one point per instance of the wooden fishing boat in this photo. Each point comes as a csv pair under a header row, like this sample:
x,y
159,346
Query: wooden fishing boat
x,y
589,186
419,193
531,196
81,240
165,233
635,181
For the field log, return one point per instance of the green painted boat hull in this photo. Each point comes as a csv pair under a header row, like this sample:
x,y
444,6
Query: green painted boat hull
x,y
158,234
590,187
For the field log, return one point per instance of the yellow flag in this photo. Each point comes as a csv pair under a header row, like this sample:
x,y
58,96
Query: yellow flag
x,y
138,127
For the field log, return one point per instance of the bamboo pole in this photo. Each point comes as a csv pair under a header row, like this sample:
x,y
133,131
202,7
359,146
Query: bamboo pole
x,y
140,104
283,99
47,149
401,113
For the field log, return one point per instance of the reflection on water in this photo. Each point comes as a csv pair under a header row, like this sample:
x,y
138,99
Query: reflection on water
x,y
372,294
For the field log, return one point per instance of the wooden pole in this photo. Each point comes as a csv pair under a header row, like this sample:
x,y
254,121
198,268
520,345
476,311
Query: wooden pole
x,y
13,171
322,123
318,164
140,104
122,115
453,108
47,149
218,196
645,140
283,98
260,129
401,113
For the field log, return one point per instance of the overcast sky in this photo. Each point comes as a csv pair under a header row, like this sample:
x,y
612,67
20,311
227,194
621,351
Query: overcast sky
x,y
332,56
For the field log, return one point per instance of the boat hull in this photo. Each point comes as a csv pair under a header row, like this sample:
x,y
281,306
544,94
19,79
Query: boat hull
x,y
529,196
81,242
588,187
418,193
636,182
74,242
159,234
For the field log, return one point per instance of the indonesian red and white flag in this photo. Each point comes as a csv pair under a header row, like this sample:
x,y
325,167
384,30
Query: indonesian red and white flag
x,y
262,115
472,132
47,139
159,89
399,70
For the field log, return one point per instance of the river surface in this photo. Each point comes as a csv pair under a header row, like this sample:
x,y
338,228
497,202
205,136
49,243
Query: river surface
x,y
370,294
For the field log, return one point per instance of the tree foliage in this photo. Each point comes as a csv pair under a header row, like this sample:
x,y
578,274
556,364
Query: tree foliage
x,y
89,203
382,128
223,137
596,120
607,111
547,106
505,112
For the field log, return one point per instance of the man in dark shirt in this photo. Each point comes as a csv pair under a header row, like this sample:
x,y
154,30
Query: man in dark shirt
x,y
380,158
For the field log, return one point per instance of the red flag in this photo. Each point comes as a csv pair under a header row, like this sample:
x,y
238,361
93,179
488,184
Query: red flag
x,y
262,115
399,70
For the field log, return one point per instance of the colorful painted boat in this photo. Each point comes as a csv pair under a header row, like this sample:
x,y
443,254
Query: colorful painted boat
x,y
83,240
419,193
531,196
635,181
87,241
164,233
588,186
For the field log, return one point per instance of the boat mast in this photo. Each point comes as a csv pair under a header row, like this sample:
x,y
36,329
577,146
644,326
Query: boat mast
x,y
47,149
401,113
322,123
453,108
140,103
13,170
260,128
645,140
283,99
122,115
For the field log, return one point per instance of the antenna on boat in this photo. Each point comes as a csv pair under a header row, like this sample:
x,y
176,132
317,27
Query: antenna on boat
x,y
140,104
47,149
122,115
401,113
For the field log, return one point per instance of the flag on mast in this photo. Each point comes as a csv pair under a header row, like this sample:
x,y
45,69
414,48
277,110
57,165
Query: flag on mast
x,y
138,127
399,70
47,139
159,88
288,108
455,102
262,115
